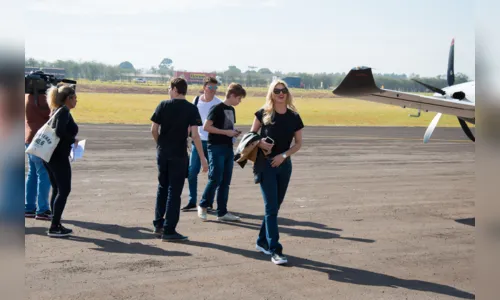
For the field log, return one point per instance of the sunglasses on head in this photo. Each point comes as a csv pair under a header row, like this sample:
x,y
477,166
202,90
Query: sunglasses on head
x,y
277,91
212,87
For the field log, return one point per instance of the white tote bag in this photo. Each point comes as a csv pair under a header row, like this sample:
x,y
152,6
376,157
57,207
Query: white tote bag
x,y
45,141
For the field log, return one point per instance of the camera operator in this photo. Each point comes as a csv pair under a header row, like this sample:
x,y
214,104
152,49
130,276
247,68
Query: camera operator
x,y
37,184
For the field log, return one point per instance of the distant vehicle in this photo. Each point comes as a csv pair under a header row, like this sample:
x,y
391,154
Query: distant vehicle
x,y
140,80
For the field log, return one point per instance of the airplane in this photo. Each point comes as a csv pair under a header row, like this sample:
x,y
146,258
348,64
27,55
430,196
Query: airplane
x,y
458,100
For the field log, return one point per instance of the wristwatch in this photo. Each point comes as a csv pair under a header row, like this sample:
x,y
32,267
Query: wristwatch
x,y
283,155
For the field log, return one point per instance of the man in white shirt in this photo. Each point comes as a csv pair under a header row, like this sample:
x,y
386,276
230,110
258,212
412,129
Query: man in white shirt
x,y
204,103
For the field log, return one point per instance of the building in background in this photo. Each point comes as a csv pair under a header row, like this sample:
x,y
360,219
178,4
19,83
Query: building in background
x,y
193,77
294,82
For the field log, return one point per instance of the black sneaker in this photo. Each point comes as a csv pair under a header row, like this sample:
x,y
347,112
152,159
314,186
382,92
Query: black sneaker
x,y
59,231
29,214
279,259
188,207
46,216
158,231
176,237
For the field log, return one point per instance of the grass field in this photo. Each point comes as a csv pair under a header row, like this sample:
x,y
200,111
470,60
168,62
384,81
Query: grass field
x,y
125,87
137,109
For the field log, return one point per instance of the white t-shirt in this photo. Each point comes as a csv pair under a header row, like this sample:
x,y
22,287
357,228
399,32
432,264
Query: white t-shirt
x,y
204,108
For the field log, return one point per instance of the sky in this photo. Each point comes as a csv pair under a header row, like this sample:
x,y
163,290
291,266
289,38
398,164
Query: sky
x,y
390,36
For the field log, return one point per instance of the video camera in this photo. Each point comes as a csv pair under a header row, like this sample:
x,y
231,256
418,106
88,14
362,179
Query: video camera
x,y
37,82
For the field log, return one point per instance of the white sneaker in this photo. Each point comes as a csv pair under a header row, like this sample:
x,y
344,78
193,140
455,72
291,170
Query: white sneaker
x,y
262,249
279,259
202,213
228,217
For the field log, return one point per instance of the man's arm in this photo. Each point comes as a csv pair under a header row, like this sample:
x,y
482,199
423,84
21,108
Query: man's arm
x,y
195,136
156,121
213,114
154,131
210,128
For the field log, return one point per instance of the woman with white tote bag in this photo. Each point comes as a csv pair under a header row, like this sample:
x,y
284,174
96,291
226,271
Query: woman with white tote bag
x,y
61,100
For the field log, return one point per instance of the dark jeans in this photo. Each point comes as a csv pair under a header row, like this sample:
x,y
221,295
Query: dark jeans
x,y
220,172
194,170
59,169
273,185
171,176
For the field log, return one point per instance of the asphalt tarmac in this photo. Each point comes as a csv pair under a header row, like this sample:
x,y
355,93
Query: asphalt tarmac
x,y
370,213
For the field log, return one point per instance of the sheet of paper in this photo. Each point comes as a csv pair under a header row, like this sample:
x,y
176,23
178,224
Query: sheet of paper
x,y
77,153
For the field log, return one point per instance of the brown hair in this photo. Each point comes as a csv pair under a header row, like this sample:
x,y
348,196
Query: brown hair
x,y
210,80
180,84
58,95
236,89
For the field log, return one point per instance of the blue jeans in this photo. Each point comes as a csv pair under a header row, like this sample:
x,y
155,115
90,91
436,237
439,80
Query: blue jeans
x,y
37,186
273,185
220,171
11,186
194,170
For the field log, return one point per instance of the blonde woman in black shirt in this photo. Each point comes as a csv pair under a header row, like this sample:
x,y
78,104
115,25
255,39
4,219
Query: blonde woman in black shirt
x,y
279,124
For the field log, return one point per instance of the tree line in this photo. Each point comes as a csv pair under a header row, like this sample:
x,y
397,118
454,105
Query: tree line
x,y
253,77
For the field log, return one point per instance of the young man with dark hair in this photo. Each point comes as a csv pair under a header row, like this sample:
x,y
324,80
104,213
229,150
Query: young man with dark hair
x,y
204,103
221,136
175,116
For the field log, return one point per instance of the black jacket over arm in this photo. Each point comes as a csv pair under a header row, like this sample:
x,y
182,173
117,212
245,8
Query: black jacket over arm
x,y
242,153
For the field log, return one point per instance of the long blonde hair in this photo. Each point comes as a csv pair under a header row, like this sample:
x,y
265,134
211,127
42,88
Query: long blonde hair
x,y
58,95
268,107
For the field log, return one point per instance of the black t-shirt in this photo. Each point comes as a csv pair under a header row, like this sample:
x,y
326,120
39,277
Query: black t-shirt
x,y
282,129
66,130
223,117
175,116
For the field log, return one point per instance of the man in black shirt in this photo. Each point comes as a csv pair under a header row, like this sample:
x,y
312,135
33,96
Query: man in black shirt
x,y
175,116
221,136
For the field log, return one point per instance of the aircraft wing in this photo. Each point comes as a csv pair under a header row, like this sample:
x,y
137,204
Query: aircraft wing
x,y
360,84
